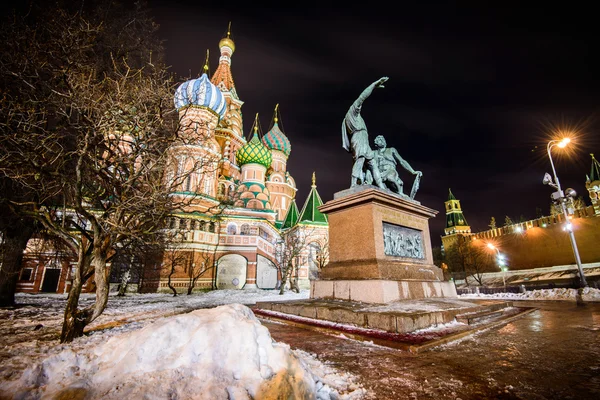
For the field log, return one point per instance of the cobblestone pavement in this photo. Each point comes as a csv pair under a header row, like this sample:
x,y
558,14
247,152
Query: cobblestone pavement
x,y
551,353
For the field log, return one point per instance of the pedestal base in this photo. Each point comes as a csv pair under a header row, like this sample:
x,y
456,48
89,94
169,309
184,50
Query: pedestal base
x,y
380,291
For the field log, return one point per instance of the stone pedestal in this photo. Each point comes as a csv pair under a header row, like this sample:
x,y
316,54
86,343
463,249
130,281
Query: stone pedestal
x,y
379,249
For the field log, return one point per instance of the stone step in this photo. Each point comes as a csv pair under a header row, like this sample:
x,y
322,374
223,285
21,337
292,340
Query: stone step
x,y
474,317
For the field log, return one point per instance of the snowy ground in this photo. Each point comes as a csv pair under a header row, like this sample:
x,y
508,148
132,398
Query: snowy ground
x,y
157,346
588,295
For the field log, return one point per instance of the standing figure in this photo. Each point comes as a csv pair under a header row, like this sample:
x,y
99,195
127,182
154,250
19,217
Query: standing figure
x,y
387,159
355,139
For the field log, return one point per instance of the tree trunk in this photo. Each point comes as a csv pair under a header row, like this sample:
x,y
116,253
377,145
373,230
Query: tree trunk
x,y
169,281
14,242
72,327
75,319
284,278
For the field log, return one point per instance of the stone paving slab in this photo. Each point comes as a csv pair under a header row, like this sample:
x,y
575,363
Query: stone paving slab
x,y
397,326
401,316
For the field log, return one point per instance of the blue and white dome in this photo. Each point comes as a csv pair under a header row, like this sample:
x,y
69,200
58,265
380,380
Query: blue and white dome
x,y
200,92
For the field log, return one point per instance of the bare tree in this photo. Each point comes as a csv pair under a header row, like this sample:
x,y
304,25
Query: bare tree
x,y
288,253
467,259
86,124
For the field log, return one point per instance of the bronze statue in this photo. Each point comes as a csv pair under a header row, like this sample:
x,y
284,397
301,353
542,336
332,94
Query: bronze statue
x,y
379,165
387,159
355,139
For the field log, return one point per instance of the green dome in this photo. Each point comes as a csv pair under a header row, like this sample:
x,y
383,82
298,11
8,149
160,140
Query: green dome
x,y
254,152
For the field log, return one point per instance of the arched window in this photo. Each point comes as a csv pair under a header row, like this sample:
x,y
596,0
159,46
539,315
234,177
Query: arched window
x,y
245,229
232,229
211,227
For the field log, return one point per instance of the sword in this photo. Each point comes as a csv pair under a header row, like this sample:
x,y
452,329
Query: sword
x,y
415,187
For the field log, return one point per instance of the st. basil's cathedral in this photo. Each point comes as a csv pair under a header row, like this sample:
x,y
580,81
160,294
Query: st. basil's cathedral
x,y
240,200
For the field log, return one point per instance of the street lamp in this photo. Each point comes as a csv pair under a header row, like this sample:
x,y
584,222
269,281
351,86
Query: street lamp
x,y
501,263
562,198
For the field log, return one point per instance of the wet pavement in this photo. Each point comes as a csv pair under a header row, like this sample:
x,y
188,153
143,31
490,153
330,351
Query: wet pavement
x,y
551,353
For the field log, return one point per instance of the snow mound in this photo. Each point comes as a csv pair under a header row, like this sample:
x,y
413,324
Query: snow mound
x,y
218,353
587,294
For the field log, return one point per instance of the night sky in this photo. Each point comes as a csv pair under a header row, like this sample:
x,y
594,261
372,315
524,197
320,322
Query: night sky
x,y
473,97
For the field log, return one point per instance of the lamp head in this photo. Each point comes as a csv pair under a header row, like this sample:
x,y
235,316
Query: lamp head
x,y
491,246
570,192
547,179
563,143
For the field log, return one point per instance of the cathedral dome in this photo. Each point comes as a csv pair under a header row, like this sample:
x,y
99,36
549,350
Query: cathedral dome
x,y
254,152
275,139
202,93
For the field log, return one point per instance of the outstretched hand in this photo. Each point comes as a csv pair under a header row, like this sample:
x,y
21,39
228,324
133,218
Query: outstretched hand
x,y
381,81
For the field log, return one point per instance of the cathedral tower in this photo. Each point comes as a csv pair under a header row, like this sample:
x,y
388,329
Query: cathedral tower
x,y
280,183
455,220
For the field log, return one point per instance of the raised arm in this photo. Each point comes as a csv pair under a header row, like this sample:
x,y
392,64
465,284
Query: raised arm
x,y
367,92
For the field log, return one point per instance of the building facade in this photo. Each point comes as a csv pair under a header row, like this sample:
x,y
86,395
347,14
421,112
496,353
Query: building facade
x,y
239,198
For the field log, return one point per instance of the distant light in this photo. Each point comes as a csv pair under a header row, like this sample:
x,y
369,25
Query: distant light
x,y
491,246
518,229
563,143
544,225
568,227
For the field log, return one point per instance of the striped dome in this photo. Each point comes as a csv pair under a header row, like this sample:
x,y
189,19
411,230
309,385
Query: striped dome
x,y
200,92
254,152
275,139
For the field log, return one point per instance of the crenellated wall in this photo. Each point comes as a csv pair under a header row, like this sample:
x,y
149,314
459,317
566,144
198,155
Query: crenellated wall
x,y
544,243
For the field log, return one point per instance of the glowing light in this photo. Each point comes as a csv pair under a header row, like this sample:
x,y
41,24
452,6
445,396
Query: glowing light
x,y
568,227
491,246
518,229
544,225
563,143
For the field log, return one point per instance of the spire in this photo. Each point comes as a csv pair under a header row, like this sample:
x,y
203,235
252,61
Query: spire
x,y
310,213
314,180
222,76
205,68
275,113
291,218
255,127
595,172
450,195
455,220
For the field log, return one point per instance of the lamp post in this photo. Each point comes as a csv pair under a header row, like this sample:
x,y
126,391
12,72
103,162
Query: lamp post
x,y
501,263
561,198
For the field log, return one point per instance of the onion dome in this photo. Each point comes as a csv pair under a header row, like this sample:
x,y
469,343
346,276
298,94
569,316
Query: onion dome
x,y
275,139
254,152
252,195
200,92
227,41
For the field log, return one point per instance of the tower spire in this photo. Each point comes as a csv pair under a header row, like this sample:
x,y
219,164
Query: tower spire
x,y
455,220
314,180
275,113
205,68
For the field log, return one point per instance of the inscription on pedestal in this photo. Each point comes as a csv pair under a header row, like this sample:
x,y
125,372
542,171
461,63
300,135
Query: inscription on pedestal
x,y
401,241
